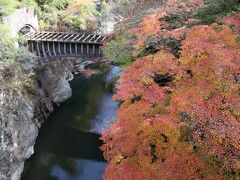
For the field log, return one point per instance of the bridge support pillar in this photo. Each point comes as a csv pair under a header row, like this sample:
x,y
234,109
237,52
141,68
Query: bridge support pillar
x,y
81,49
65,48
76,48
54,49
38,50
88,49
32,47
48,49
43,50
70,48
99,51
94,50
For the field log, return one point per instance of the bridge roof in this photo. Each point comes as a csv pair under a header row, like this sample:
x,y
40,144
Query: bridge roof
x,y
67,37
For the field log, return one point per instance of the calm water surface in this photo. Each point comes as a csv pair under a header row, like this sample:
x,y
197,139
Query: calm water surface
x,y
67,147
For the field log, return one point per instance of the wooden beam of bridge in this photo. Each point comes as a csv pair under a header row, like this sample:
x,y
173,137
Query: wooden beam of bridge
x,y
67,37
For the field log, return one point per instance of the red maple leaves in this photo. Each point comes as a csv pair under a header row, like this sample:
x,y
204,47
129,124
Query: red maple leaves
x,y
179,118
233,20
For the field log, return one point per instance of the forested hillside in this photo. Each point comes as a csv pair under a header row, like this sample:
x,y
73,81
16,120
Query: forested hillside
x,y
54,15
59,14
180,105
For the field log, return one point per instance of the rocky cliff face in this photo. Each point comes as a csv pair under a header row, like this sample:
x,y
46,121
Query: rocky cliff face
x,y
21,114
18,131
53,80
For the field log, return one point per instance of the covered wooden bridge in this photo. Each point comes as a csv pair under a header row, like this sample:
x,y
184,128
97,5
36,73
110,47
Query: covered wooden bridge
x,y
60,44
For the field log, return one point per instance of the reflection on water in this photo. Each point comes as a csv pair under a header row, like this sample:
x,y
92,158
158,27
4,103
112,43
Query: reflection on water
x,y
107,107
83,166
67,147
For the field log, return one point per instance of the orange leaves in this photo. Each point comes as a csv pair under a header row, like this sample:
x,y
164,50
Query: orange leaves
x,y
212,54
159,25
209,92
139,78
148,27
214,39
146,136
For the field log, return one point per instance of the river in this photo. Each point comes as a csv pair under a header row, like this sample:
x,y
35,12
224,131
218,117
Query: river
x,y
67,147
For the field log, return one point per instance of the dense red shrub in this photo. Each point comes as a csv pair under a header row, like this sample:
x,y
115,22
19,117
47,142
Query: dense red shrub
x,y
233,20
210,95
179,118
139,81
147,137
155,25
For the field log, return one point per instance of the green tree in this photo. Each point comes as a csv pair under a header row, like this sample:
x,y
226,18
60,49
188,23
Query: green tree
x,y
216,8
120,49
7,7
80,14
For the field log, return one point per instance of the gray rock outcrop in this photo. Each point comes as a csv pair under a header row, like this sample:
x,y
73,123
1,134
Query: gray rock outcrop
x,y
18,131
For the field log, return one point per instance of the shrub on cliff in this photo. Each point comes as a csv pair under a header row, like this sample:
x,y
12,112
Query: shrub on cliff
x,y
120,49
80,15
233,20
56,14
7,7
14,62
7,47
216,8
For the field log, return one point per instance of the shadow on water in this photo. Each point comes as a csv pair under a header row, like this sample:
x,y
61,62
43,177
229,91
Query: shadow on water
x,y
67,147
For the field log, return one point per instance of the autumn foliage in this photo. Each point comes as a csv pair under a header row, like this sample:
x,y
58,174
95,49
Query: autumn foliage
x,y
233,20
180,115
147,138
210,95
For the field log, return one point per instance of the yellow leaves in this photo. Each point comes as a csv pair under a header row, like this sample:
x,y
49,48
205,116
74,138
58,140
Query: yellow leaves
x,y
190,59
146,80
81,2
227,36
118,159
236,113
158,109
